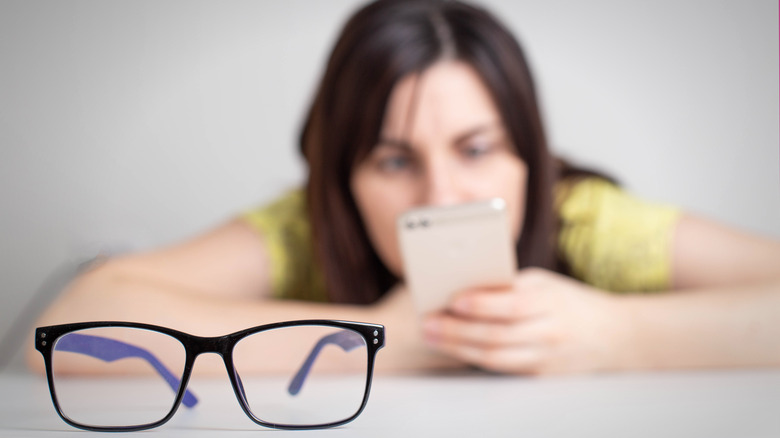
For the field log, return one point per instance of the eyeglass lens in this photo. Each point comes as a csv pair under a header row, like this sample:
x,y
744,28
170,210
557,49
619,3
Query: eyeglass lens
x,y
319,374
116,376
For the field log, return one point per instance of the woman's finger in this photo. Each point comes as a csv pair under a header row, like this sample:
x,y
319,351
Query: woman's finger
x,y
487,333
531,294
516,360
500,305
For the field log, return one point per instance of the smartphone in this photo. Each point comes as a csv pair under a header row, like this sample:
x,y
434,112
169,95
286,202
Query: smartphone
x,y
451,248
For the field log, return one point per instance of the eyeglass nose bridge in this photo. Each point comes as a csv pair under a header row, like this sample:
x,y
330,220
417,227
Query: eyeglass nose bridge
x,y
222,346
197,345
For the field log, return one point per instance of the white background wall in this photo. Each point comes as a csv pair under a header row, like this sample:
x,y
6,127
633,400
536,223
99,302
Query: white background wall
x,y
141,123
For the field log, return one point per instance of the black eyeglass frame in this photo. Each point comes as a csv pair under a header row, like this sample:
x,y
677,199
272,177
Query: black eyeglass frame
x,y
46,337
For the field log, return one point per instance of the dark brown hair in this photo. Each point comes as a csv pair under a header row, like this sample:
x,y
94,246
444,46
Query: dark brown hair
x,y
383,42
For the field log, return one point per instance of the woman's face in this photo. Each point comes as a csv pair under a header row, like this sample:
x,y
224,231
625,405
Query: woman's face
x,y
442,142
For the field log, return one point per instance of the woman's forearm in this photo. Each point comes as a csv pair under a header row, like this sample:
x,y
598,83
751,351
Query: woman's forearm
x,y
735,327
107,295
114,296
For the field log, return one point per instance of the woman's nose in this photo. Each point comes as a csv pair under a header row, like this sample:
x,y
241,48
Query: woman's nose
x,y
441,185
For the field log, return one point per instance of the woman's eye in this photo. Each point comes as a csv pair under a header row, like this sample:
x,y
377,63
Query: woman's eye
x,y
476,150
394,163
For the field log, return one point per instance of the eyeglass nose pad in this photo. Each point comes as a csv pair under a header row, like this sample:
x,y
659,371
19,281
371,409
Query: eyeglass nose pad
x,y
240,384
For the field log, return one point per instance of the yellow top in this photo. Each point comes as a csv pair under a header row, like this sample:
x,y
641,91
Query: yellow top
x,y
610,239
615,241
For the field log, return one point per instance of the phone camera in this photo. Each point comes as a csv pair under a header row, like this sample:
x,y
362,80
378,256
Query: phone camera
x,y
417,222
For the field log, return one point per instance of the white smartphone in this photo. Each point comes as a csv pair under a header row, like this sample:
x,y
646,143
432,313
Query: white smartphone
x,y
451,248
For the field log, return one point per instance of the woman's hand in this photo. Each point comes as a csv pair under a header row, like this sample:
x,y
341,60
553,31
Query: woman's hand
x,y
406,349
544,323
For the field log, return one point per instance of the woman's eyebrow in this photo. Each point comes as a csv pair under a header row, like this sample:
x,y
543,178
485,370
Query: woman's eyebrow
x,y
479,129
394,142
460,138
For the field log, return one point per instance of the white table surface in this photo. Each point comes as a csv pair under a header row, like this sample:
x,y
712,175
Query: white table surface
x,y
673,404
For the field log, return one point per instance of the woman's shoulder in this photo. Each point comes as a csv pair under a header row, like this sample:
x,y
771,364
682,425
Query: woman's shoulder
x,y
597,199
289,205
613,239
577,194
286,231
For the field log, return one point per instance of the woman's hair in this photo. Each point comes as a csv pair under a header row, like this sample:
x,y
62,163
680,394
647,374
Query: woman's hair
x,y
383,42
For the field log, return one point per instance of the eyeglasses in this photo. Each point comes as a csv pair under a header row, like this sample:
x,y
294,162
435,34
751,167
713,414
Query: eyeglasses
x,y
124,376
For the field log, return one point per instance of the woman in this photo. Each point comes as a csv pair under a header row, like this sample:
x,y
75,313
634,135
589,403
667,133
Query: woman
x,y
432,103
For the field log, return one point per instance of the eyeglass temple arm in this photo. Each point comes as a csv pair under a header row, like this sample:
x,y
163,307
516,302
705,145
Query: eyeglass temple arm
x,y
346,339
110,350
